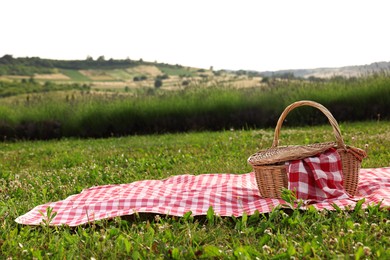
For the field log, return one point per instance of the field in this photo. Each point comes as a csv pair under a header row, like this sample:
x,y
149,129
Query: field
x,y
111,78
79,111
53,115
36,172
75,75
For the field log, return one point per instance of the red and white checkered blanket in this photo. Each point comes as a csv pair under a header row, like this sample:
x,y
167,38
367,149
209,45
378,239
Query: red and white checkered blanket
x,y
317,178
228,194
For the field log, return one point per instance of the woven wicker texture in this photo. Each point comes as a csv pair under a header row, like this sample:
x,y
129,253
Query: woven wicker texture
x,y
286,153
268,164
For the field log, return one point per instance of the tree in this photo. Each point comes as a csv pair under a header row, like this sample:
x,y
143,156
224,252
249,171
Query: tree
x,y
185,83
163,76
158,83
6,59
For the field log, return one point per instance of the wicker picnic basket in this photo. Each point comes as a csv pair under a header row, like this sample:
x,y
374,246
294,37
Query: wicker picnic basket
x,y
270,164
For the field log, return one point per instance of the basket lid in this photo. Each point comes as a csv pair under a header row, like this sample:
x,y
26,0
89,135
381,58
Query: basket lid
x,y
286,153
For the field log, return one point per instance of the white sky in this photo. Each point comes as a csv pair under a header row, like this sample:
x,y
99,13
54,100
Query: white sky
x,y
243,34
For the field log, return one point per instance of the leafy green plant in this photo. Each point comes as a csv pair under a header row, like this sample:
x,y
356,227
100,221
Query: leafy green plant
x,y
291,200
48,217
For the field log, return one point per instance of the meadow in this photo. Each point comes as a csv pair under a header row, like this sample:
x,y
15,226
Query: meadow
x,y
61,138
86,113
36,172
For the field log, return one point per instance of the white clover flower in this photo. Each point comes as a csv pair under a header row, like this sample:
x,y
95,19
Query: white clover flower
x,y
267,249
367,250
356,225
268,232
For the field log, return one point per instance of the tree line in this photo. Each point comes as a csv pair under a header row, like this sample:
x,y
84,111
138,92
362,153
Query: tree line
x,y
28,66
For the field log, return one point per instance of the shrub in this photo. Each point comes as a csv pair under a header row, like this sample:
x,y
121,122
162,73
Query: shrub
x,y
158,83
162,77
185,82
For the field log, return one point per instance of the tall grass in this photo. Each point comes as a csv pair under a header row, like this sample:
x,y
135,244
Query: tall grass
x,y
198,108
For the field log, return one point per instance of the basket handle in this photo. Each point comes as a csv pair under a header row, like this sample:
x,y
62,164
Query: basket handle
x,y
324,110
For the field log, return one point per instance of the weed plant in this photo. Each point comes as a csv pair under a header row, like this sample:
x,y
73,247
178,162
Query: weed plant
x,y
36,172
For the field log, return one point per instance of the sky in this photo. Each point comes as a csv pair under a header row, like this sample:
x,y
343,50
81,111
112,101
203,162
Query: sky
x,y
244,34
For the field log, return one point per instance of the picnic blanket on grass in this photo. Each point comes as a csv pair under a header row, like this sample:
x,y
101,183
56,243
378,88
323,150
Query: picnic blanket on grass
x,y
228,194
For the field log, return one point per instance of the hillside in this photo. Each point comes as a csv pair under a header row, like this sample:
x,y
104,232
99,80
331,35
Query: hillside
x,y
127,74
119,74
347,71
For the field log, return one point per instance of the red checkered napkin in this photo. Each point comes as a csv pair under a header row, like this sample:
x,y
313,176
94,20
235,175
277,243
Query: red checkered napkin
x,y
317,178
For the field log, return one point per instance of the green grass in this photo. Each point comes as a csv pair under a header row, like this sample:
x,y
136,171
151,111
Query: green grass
x,y
34,173
75,75
32,88
121,74
200,108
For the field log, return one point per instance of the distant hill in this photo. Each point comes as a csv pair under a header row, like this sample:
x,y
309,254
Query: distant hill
x,y
119,74
32,65
347,71
127,74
